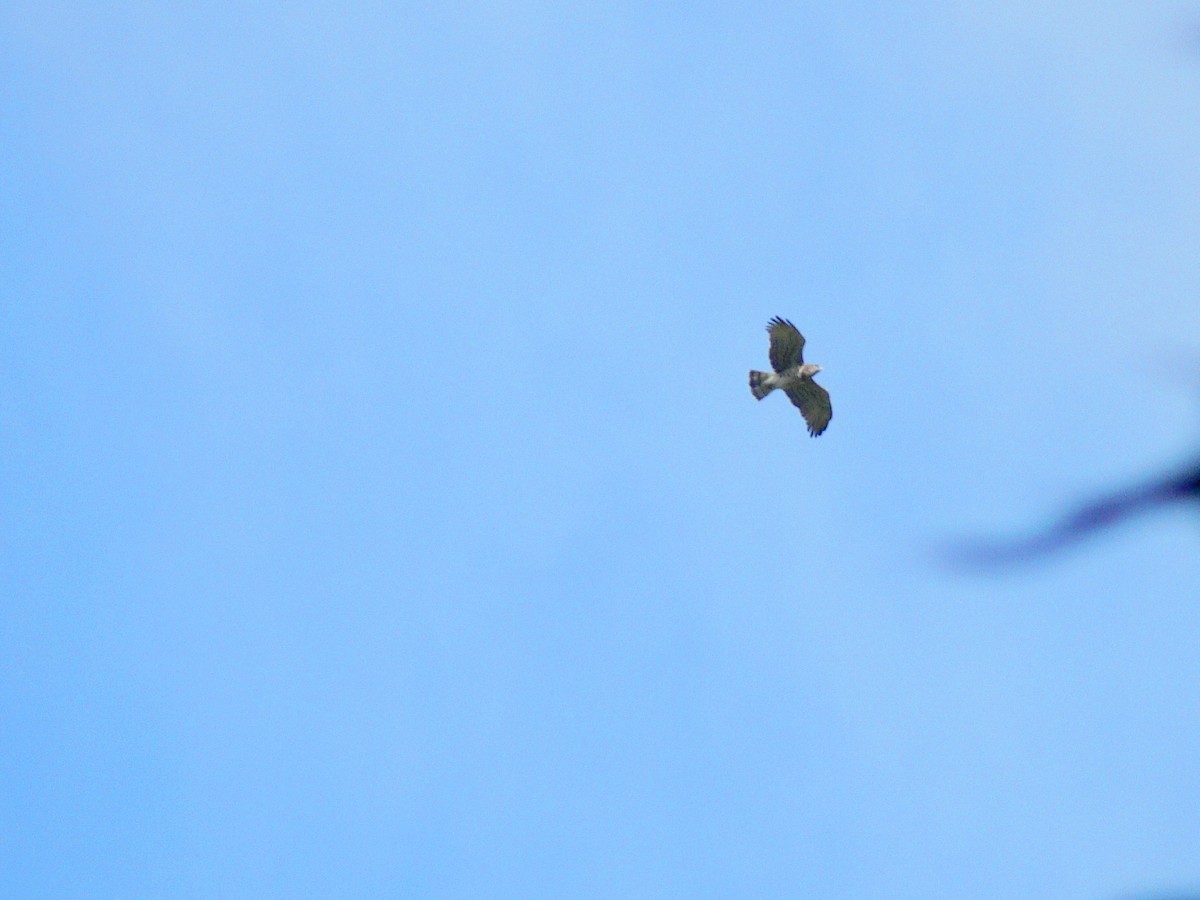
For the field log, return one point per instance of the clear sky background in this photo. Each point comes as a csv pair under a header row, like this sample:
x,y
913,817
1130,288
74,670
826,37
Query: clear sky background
x,y
385,512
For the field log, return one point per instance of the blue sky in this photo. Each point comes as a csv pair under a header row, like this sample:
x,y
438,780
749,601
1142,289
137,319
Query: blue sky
x,y
385,511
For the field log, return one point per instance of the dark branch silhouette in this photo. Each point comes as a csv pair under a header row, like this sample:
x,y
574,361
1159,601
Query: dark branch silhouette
x,y
1093,517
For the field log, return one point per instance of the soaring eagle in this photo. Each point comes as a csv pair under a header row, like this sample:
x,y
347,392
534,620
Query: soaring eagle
x,y
794,376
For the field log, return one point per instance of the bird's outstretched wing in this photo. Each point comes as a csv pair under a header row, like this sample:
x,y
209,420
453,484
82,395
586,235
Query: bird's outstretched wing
x,y
787,344
813,402
1095,516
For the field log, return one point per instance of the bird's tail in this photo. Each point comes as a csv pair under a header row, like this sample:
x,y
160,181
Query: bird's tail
x,y
759,385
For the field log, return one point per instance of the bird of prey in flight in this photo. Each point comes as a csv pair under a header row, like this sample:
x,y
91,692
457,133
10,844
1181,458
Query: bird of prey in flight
x,y
794,376
1095,516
